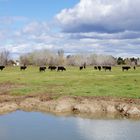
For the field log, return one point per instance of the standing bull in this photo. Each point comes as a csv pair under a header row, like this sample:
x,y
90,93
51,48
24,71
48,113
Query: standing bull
x,y
99,68
81,67
2,67
126,68
23,67
106,68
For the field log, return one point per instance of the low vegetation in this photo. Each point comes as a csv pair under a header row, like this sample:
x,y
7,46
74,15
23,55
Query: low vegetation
x,y
88,82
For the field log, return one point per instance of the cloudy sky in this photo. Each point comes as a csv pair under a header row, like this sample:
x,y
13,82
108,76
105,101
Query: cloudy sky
x,y
76,26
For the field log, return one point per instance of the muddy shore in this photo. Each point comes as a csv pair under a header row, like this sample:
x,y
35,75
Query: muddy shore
x,y
81,106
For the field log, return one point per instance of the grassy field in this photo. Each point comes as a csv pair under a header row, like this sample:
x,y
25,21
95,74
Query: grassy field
x,y
87,82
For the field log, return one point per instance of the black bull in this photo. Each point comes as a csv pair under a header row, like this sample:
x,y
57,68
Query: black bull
x,y
126,68
42,69
2,67
61,68
107,68
23,67
52,68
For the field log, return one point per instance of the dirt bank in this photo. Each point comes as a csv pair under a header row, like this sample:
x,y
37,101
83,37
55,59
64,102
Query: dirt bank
x,y
82,106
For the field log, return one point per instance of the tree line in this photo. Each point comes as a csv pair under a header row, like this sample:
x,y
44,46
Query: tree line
x,y
48,57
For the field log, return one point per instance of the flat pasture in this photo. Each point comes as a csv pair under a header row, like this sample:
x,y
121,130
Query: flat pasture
x,y
72,82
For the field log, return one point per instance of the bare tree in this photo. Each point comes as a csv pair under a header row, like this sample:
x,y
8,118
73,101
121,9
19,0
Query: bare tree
x,y
4,57
61,60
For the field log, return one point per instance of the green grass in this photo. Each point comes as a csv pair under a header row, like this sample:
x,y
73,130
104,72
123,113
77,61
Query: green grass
x,y
87,82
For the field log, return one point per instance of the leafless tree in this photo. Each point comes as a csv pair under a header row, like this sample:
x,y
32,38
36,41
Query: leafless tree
x,y
4,57
61,60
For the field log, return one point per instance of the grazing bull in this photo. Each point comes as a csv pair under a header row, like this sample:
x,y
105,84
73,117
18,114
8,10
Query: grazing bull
x,y
52,68
23,67
81,67
126,68
61,68
106,68
2,67
95,67
103,67
99,68
42,69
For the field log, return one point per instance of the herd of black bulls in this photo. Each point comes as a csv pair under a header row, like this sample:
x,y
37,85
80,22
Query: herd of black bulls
x,y
42,68
110,68
103,67
62,68
52,68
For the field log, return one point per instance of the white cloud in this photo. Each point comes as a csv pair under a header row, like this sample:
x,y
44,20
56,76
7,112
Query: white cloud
x,y
101,16
36,28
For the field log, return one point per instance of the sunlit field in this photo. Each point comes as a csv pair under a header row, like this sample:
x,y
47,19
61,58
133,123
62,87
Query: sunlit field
x,y
87,82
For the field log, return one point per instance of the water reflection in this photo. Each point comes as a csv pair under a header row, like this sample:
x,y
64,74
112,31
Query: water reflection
x,y
109,129
34,126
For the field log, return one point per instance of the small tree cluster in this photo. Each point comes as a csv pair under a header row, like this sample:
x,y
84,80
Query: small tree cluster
x,y
92,59
127,61
42,57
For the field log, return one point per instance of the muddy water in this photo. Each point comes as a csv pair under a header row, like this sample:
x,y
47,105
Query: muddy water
x,y
38,126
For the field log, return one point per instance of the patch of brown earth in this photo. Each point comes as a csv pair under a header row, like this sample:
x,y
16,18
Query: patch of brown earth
x,y
7,86
81,106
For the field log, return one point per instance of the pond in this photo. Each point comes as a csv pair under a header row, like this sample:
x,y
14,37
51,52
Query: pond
x,y
21,125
